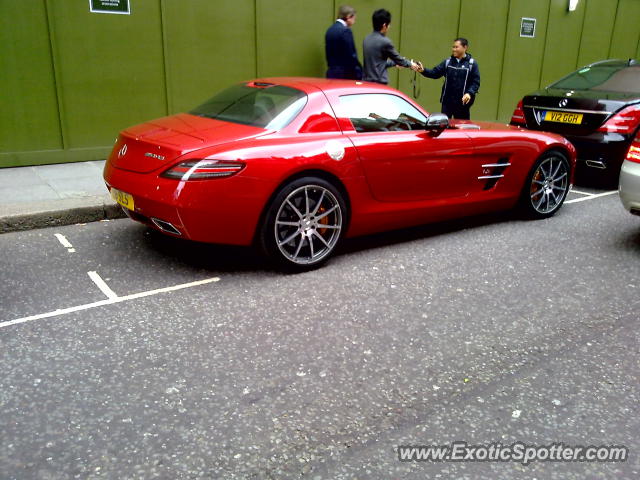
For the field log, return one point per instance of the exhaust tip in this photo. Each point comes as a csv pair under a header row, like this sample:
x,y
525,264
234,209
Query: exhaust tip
x,y
596,164
165,226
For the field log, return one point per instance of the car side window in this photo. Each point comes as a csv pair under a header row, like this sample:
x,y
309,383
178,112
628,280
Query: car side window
x,y
380,112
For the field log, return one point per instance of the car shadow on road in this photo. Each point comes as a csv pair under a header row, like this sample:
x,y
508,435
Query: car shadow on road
x,y
405,235
204,256
227,258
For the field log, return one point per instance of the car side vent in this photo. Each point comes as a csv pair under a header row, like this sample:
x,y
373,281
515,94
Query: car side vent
x,y
492,172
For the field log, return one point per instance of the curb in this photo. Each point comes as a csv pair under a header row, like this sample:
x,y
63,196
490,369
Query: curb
x,y
50,216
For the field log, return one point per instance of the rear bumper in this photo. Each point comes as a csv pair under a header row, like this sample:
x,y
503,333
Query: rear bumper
x,y
629,187
225,211
605,151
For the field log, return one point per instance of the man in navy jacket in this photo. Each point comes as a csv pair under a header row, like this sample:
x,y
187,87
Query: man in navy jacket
x,y
461,80
340,48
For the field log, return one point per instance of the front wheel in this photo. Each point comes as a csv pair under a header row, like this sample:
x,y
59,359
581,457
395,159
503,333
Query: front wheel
x,y
303,224
547,185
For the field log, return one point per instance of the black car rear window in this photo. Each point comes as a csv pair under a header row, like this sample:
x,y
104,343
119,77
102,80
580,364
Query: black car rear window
x,y
606,78
260,105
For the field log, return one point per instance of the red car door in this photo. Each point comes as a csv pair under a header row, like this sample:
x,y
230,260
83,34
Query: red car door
x,y
402,161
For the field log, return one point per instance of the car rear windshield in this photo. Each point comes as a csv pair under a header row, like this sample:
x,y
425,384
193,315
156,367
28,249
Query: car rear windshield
x,y
606,78
260,105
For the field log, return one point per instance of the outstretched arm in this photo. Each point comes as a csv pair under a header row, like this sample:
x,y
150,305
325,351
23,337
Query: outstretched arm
x,y
435,72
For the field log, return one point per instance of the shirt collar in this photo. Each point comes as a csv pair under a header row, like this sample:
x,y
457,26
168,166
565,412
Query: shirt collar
x,y
342,21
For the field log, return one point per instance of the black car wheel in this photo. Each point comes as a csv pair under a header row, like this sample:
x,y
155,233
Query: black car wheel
x,y
547,185
303,224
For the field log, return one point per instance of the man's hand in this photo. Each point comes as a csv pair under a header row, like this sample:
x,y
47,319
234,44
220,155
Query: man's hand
x,y
466,98
417,66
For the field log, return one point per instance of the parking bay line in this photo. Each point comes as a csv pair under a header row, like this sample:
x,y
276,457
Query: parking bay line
x,y
591,197
97,279
110,301
65,243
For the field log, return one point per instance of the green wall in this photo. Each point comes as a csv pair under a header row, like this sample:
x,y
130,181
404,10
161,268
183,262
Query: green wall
x,y
71,79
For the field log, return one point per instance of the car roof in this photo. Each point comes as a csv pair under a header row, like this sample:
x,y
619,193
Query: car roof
x,y
311,84
615,63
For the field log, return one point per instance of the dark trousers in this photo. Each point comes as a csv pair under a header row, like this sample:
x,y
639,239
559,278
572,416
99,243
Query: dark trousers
x,y
457,110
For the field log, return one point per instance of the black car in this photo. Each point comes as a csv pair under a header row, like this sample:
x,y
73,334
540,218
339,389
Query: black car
x,y
597,108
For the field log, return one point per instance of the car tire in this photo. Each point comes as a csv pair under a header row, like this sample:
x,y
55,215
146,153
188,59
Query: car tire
x,y
303,224
547,185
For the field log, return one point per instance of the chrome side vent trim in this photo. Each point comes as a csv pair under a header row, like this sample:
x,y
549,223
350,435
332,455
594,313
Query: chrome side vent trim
x,y
492,172
165,226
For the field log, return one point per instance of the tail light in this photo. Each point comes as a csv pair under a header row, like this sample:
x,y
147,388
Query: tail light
x,y
625,121
633,155
518,115
203,169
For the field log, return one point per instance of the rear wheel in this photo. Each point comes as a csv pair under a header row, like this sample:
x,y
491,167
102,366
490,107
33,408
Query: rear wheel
x,y
547,185
303,224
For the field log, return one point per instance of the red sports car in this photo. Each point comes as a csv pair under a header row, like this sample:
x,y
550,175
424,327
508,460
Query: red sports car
x,y
295,164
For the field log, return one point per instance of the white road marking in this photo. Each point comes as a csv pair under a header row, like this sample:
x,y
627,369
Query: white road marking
x,y
110,301
65,243
596,195
573,190
97,279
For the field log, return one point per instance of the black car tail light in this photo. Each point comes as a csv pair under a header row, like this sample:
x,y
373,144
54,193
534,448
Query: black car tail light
x,y
518,115
203,169
633,155
626,121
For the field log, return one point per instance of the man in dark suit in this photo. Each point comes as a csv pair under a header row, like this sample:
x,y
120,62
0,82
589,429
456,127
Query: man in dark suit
x,y
340,48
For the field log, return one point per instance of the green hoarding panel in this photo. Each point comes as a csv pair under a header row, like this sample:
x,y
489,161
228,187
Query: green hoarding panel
x,y
563,41
624,41
208,46
484,24
290,37
109,70
428,29
29,118
72,79
597,29
523,55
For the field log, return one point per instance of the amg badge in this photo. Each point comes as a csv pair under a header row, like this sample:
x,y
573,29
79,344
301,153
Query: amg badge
x,y
154,155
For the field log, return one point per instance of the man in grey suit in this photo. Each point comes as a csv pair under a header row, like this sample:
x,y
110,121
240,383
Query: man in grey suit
x,y
379,52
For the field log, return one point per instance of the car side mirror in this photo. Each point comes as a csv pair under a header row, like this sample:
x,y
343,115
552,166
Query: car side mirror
x,y
437,123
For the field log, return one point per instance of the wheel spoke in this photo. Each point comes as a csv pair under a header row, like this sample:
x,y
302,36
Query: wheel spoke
x,y
310,240
324,214
560,177
295,255
289,224
289,238
315,210
294,208
306,200
321,238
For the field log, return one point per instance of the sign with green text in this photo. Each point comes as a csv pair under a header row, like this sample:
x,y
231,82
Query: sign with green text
x,y
109,6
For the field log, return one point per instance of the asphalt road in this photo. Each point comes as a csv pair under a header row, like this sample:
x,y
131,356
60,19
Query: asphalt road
x,y
485,330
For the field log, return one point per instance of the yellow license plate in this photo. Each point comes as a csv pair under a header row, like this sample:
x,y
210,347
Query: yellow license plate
x,y
563,117
124,199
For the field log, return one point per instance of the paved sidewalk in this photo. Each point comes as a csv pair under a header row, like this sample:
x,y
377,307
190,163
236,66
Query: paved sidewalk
x,y
48,195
